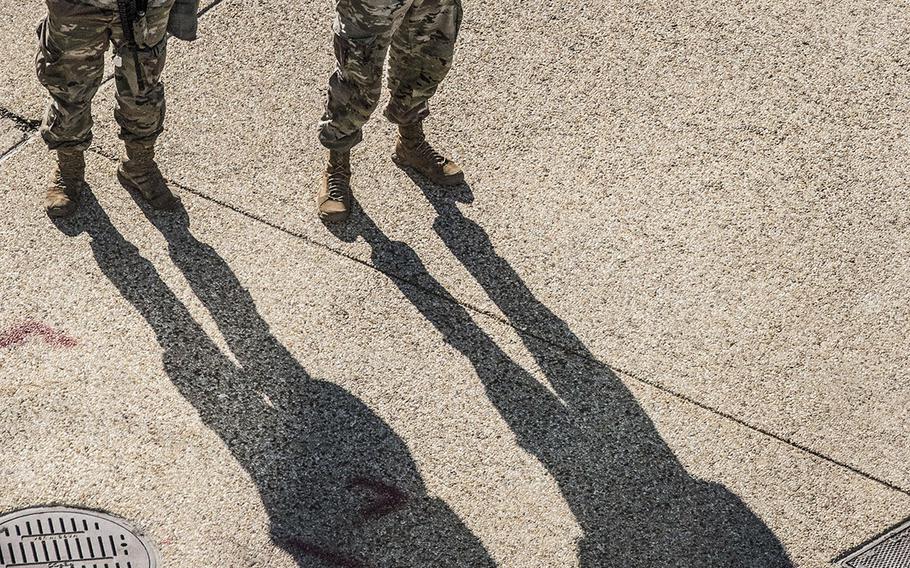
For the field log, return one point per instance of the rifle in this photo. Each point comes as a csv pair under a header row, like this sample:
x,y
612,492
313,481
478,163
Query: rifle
x,y
132,11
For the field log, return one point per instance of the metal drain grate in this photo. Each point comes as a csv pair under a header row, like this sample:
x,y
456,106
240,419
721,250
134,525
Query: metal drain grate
x,y
59,537
889,551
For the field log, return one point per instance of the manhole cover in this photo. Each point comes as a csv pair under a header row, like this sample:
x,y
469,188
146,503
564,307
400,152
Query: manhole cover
x,y
58,537
889,551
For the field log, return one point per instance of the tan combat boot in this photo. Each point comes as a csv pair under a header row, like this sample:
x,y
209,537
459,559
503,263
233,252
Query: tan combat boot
x,y
413,151
66,182
333,201
139,172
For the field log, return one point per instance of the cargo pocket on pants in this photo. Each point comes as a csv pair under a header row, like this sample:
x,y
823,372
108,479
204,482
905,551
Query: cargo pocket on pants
x,y
46,47
47,56
355,55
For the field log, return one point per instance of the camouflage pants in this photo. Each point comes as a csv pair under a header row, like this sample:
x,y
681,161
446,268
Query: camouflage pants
x,y
72,41
418,35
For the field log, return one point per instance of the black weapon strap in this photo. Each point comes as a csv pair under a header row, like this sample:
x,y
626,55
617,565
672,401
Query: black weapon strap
x,y
129,13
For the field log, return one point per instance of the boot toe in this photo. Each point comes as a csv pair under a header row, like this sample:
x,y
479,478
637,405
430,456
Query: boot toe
x,y
332,211
61,202
452,174
334,215
59,207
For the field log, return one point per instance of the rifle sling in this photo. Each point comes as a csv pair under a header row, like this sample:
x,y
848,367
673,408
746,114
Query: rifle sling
x,y
129,13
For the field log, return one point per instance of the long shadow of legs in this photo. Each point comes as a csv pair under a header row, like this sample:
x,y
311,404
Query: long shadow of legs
x,y
338,484
635,503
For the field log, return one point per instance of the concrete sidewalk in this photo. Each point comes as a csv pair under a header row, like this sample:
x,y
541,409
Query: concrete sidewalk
x,y
664,324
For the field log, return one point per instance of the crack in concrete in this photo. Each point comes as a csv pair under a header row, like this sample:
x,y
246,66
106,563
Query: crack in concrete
x,y
630,374
30,127
17,147
22,123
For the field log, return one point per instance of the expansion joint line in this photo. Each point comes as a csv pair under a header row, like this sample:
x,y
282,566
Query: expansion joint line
x,y
22,123
28,127
611,368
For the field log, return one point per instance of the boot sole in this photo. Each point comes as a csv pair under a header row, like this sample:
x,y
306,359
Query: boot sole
x,y
169,205
334,217
447,181
61,212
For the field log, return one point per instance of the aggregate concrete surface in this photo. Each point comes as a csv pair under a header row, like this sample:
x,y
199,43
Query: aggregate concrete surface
x,y
20,91
10,136
664,324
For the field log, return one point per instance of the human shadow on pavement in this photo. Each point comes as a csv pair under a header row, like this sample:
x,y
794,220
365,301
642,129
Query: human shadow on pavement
x,y
635,503
339,486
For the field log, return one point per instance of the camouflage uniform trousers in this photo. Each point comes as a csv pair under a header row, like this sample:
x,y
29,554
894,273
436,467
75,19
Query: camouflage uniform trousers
x,y
418,35
72,42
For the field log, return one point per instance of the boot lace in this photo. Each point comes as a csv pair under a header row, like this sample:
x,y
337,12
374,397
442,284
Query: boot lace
x,y
339,181
427,152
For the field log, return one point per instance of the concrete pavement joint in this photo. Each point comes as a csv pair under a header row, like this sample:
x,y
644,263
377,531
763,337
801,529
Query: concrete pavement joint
x,y
891,529
26,125
22,123
632,375
18,146
759,429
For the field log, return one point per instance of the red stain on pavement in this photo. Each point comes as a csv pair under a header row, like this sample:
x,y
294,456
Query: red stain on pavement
x,y
329,556
18,334
391,498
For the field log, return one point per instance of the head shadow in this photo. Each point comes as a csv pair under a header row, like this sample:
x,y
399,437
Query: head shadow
x,y
634,501
338,484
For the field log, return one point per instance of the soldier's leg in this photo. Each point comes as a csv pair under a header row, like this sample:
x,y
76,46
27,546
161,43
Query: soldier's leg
x,y
72,40
421,56
140,107
362,32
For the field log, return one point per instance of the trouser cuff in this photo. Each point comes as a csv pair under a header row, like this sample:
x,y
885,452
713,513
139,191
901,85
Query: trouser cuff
x,y
416,115
334,141
66,145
